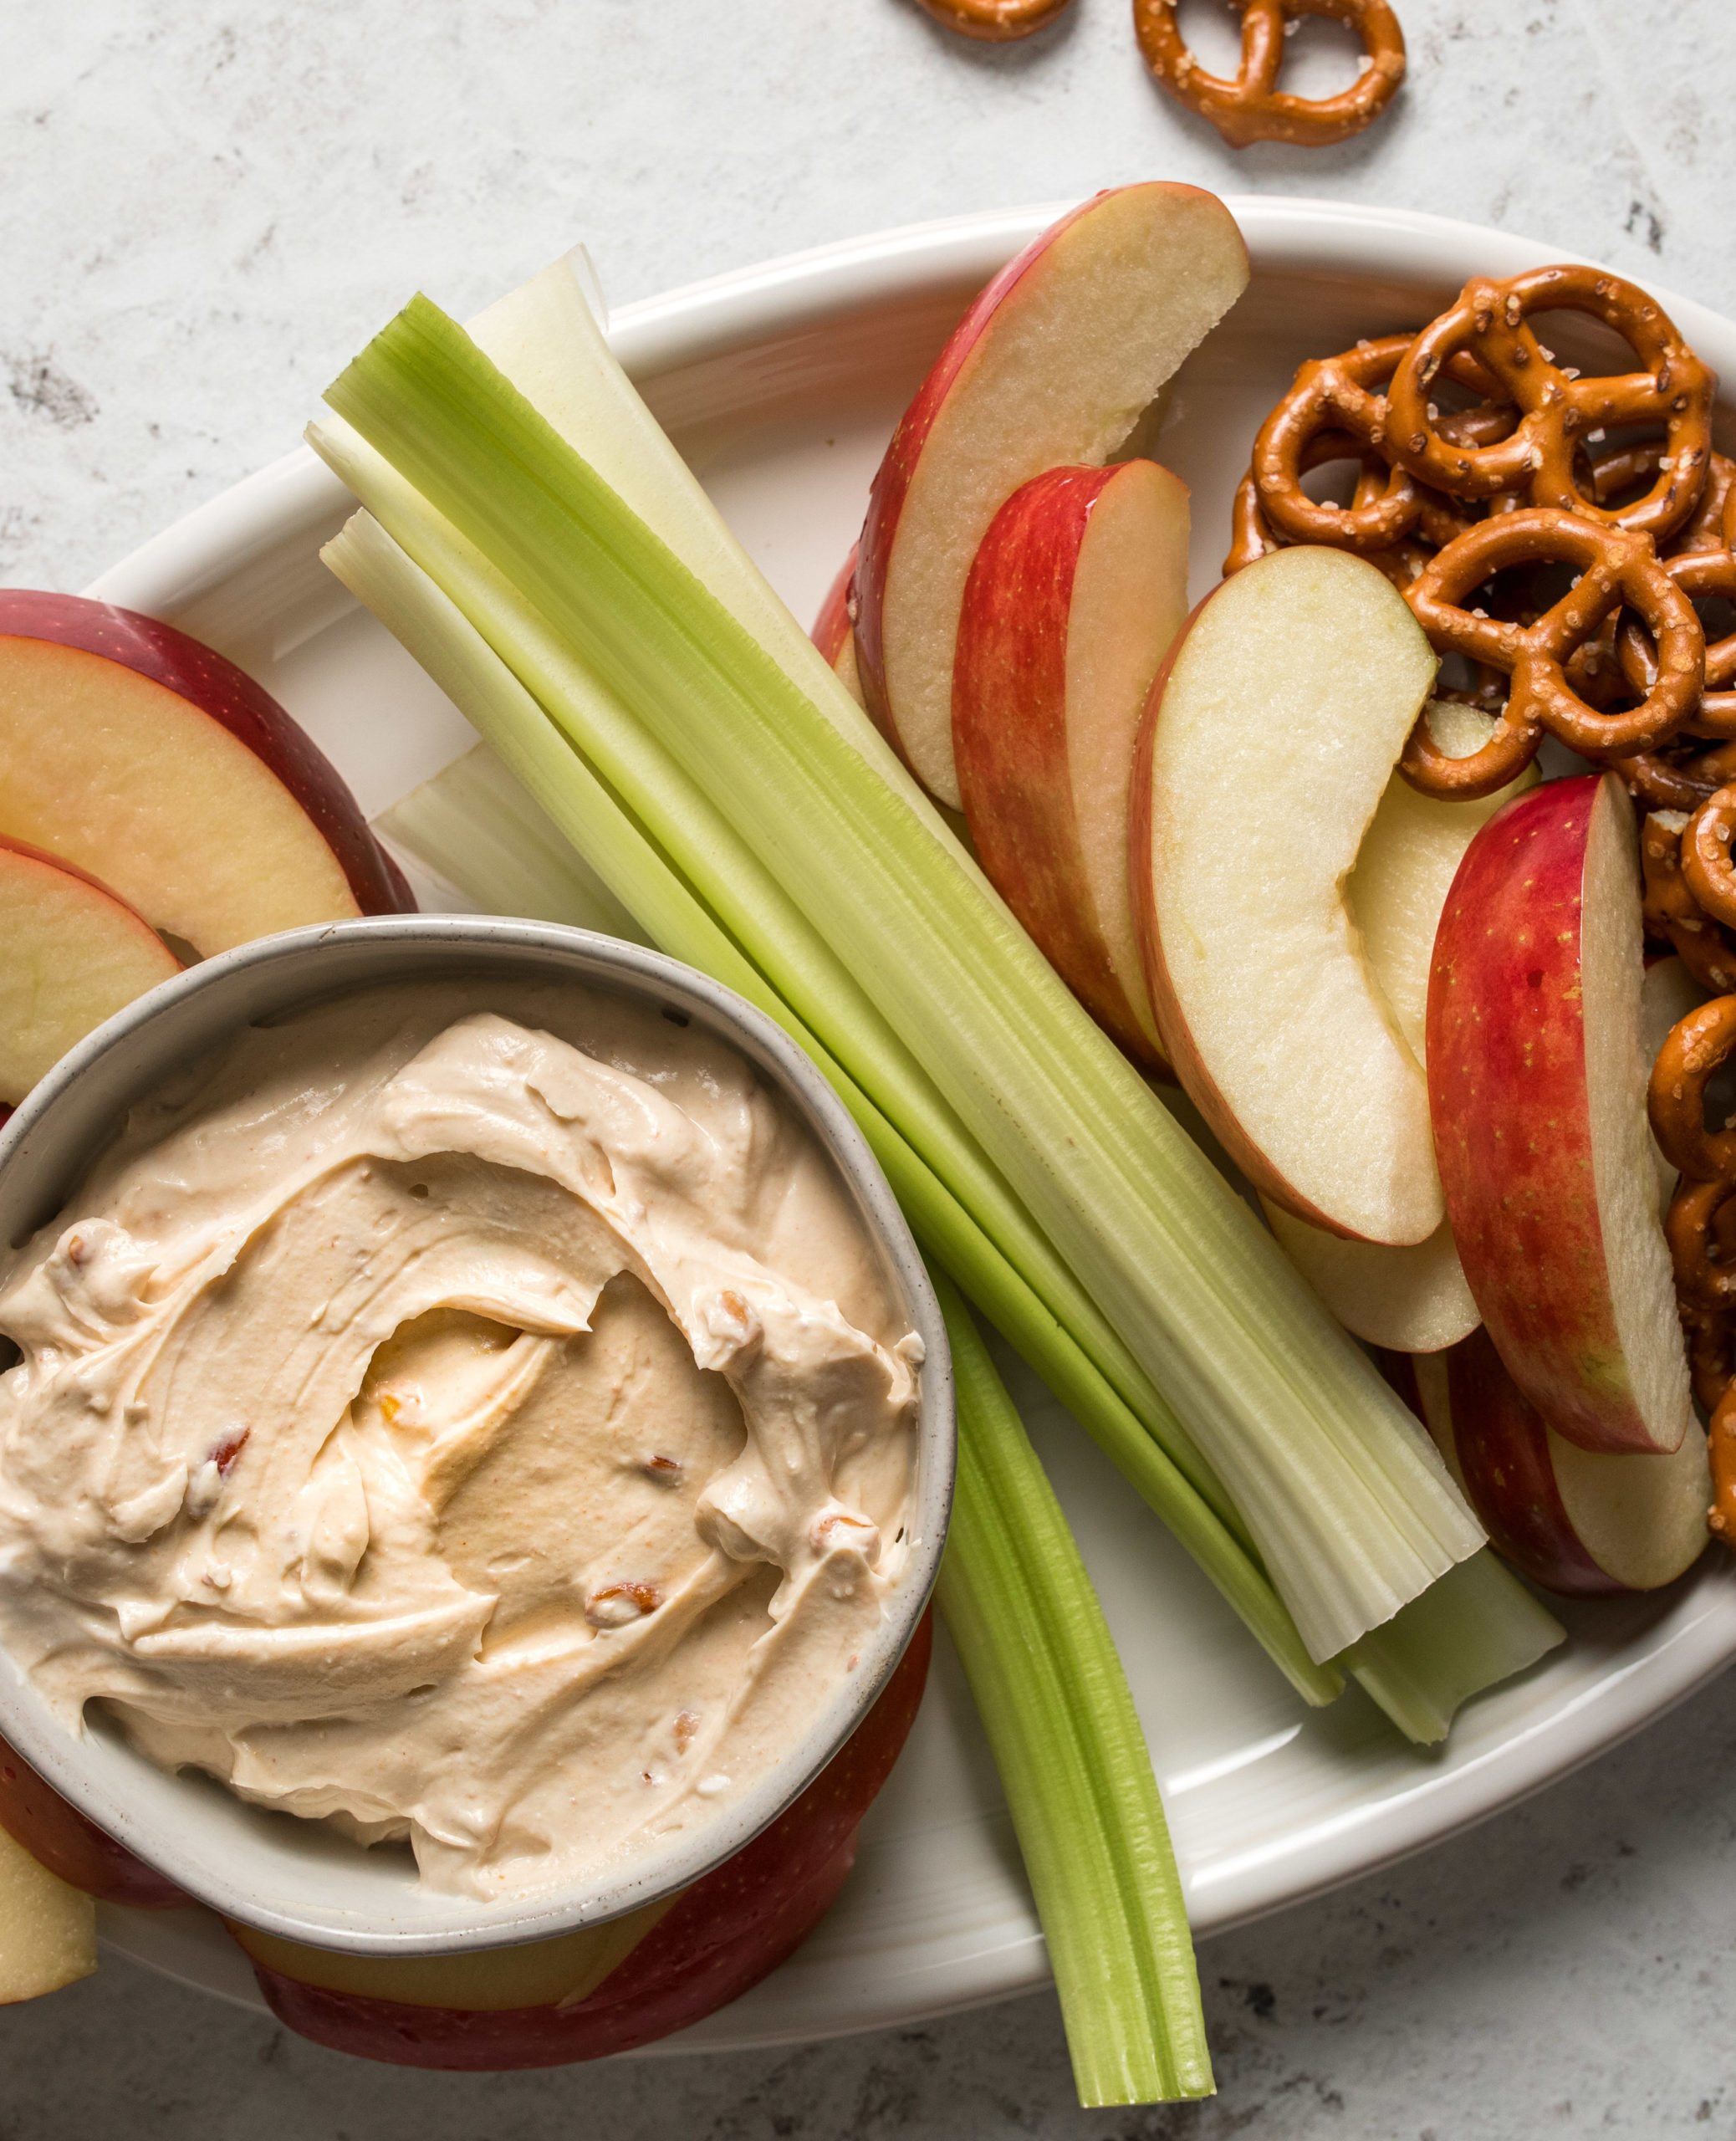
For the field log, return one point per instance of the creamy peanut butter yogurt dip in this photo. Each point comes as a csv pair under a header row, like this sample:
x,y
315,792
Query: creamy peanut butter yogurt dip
x,y
488,1428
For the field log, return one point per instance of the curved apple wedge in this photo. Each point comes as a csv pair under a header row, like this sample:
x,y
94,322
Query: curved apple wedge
x,y
833,634
1053,364
1410,1300
147,759
71,955
1267,745
1537,1080
48,1928
1415,1299
1078,589
1572,1520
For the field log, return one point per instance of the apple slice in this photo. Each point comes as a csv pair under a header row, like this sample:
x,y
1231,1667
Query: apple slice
x,y
1078,589
1405,868
1537,1080
71,954
1054,363
69,1844
1571,1520
1411,1300
48,1929
835,635
135,754
609,1988
1416,1299
1268,742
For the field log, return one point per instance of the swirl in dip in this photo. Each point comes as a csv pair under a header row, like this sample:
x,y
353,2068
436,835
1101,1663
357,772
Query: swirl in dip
x,y
491,1428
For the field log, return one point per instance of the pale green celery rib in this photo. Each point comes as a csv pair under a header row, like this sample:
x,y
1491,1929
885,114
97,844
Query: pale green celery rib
x,y
545,339
728,876
416,610
1352,1515
468,824
1477,1626
1072,1761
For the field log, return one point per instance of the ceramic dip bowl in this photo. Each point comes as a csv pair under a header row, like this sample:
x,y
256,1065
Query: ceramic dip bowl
x,y
298,1879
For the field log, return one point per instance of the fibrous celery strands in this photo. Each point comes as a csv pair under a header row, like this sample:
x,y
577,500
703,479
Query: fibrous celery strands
x,y
1072,1758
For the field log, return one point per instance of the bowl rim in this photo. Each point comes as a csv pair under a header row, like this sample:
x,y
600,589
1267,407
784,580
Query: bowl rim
x,y
308,963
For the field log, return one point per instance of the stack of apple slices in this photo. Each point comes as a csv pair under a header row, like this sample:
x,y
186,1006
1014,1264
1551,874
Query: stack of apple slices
x,y
1200,821
1569,1420
156,806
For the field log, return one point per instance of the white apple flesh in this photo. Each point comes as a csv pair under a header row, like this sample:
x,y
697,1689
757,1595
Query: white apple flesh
x,y
1054,365
144,757
1415,1299
1267,745
48,1928
1411,1300
1076,592
1537,1077
71,955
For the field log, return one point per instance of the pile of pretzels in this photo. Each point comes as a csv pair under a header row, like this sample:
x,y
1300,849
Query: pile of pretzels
x,y
1554,529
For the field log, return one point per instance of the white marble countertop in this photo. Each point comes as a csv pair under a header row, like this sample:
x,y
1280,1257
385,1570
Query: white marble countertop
x,y
207,207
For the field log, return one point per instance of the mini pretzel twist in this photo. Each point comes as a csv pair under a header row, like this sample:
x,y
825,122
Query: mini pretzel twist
x,y
1721,1517
1559,408
1251,107
1706,856
1673,914
1615,566
1674,778
1706,528
1698,574
1701,1228
1251,534
1330,396
995,22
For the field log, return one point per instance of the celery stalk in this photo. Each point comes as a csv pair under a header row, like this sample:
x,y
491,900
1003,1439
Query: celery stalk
x,y
544,338
416,610
469,823
1072,1758
1351,1510
1477,1626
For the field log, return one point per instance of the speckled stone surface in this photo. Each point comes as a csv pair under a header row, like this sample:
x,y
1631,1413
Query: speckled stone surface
x,y
206,208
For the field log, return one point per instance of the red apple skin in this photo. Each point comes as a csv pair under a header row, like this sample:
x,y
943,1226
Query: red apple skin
x,y
1510,1477
833,626
720,1938
1009,736
1506,1079
56,1834
1400,1372
231,698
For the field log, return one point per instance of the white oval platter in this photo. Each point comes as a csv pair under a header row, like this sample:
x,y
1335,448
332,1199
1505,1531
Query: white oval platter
x,y
781,384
